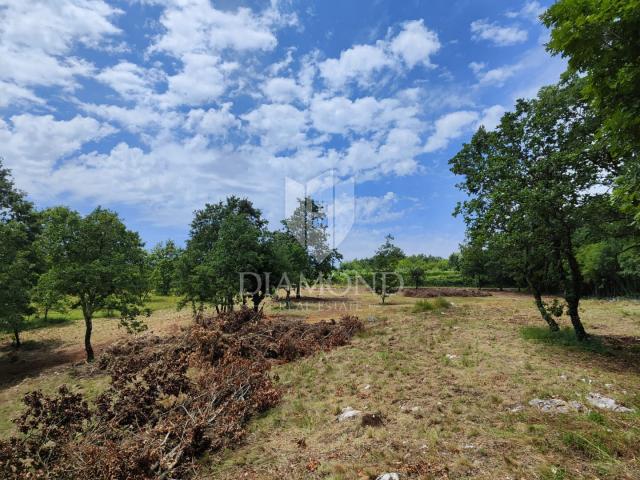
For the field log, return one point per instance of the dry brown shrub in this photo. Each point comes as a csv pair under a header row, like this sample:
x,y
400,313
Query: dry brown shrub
x,y
169,400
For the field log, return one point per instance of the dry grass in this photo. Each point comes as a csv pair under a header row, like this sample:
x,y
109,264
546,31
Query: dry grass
x,y
450,418
444,417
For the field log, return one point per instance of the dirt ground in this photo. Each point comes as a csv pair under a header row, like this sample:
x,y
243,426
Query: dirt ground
x,y
451,386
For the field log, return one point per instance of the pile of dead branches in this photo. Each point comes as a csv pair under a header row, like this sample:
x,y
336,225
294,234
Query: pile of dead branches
x,y
169,400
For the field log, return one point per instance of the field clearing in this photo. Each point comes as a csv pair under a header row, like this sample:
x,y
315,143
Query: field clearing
x,y
445,382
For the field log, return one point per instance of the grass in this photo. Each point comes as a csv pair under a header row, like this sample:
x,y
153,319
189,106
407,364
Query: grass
x,y
446,384
154,303
565,337
438,303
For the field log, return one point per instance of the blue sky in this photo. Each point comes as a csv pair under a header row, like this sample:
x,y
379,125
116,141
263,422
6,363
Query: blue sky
x,y
154,107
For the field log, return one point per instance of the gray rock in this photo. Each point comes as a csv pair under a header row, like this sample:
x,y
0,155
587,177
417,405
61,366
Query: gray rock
x,y
606,403
348,413
556,405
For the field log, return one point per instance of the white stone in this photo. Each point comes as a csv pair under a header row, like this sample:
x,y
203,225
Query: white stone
x,y
348,413
451,356
388,476
605,403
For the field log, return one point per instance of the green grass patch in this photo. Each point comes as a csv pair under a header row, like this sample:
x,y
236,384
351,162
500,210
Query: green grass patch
x,y
565,337
437,303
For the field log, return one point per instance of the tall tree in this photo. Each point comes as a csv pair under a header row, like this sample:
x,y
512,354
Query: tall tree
x,y
100,263
601,42
226,240
162,262
531,178
19,262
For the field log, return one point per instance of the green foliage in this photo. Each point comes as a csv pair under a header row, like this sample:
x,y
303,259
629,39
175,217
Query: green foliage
x,y
163,260
600,40
529,183
48,295
96,260
227,251
438,303
19,261
422,306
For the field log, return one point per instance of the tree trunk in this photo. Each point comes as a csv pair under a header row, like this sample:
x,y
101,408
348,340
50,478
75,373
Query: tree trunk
x,y
573,290
46,314
553,325
288,298
298,291
16,336
88,322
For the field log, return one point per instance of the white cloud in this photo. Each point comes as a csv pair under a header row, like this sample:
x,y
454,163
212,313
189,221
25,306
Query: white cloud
x,y
283,90
530,11
340,114
196,26
371,210
213,122
357,63
496,34
449,127
415,44
37,41
496,76
278,126
491,117
31,145
201,80
129,80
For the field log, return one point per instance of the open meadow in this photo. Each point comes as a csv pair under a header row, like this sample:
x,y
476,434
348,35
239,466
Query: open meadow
x,y
442,389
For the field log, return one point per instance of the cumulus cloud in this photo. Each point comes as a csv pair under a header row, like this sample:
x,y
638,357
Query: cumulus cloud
x,y
37,42
448,127
32,144
413,45
497,34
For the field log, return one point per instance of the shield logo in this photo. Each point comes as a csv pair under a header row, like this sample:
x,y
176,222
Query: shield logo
x,y
320,212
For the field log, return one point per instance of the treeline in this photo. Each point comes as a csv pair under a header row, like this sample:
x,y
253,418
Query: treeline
x,y
415,270
58,259
554,191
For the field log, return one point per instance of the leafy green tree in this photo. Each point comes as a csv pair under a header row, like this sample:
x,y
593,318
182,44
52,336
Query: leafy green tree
x,y
162,262
226,240
48,295
97,261
289,262
601,42
19,262
384,279
387,256
531,178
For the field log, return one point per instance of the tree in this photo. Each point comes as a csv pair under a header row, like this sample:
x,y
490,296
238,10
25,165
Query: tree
x,y
387,256
19,262
529,182
97,261
308,225
417,274
289,262
48,295
601,42
162,262
226,240
384,279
